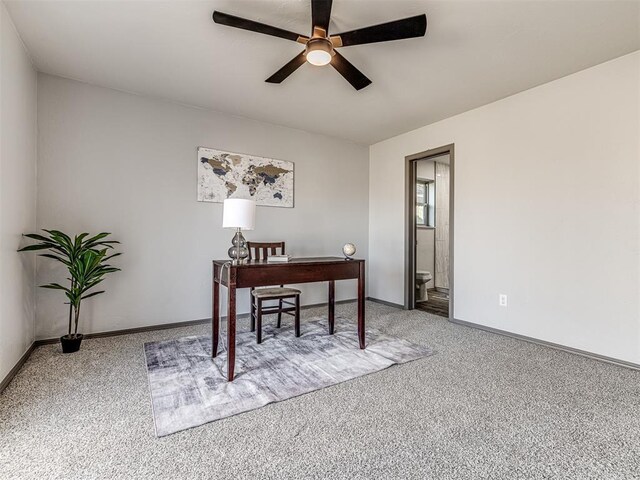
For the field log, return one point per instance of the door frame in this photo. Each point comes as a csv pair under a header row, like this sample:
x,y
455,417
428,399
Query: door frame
x,y
410,222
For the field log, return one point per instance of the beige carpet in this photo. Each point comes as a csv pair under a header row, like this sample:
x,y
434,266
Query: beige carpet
x,y
485,406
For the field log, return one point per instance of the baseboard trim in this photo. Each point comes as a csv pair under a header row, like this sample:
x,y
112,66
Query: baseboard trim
x,y
16,368
149,328
384,302
166,326
127,331
544,343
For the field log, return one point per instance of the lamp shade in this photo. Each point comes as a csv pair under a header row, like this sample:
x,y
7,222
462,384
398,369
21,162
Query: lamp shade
x,y
239,213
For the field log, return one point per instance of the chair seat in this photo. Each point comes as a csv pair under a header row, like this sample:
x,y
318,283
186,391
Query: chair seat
x,y
275,292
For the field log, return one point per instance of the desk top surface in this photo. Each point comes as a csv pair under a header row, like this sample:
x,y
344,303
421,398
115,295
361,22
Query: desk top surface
x,y
292,261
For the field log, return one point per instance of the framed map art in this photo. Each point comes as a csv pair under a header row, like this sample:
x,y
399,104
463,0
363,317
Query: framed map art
x,y
223,175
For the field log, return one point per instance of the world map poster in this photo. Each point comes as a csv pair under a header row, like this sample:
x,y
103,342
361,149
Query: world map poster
x,y
223,175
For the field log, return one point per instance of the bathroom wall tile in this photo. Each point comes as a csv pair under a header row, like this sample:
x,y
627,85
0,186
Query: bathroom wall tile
x,y
442,226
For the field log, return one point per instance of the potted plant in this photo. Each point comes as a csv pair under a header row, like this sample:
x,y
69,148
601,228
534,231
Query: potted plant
x,y
86,260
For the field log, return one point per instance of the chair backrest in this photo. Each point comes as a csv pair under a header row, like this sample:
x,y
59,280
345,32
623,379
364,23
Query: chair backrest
x,y
266,248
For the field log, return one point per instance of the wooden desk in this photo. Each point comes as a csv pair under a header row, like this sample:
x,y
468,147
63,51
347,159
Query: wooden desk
x,y
259,273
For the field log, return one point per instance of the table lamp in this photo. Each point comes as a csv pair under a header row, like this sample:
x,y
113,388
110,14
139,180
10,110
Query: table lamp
x,y
240,214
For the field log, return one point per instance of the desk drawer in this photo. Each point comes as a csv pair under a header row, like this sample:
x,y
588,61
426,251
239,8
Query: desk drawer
x,y
260,276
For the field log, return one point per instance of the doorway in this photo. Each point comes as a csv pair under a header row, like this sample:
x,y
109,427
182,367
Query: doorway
x,y
429,231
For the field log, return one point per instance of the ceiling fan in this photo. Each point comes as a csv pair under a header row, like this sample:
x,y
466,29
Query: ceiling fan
x,y
320,47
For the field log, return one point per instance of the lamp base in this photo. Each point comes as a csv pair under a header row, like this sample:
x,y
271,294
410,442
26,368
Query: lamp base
x,y
239,251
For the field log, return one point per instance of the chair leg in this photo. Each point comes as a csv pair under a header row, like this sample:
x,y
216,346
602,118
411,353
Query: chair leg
x,y
297,318
259,321
280,313
253,314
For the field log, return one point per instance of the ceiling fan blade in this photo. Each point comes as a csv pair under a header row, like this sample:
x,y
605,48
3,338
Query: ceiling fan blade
x,y
288,69
406,28
233,21
321,14
354,76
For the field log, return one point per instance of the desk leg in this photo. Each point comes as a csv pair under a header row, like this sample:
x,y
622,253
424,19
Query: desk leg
x,y
215,315
231,324
332,305
361,280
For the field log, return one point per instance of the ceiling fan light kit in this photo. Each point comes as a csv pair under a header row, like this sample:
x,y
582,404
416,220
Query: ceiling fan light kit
x,y
320,48
319,51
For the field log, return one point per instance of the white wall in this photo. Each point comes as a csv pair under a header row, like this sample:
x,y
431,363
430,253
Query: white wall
x,y
127,164
17,194
532,172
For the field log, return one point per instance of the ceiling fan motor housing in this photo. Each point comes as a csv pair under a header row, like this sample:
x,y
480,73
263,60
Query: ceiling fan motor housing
x,y
319,51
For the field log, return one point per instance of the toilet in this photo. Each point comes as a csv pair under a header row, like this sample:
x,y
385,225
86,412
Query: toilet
x,y
422,278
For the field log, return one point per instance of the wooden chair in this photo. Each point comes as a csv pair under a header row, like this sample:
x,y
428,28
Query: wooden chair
x,y
281,294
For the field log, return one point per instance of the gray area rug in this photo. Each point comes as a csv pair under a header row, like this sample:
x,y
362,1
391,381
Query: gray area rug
x,y
189,388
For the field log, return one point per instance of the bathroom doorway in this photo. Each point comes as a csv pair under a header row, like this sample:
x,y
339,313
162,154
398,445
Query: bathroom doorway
x,y
429,219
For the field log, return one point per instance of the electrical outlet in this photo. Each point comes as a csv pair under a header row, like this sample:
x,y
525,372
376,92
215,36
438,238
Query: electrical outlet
x,y
502,300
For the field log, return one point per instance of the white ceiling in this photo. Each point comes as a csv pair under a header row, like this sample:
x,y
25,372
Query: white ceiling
x,y
475,52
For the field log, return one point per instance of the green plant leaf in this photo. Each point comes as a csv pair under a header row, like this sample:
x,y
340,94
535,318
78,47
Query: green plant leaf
x,y
36,236
95,240
73,299
60,234
62,241
78,239
56,257
111,270
93,294
77,242
30,248
104,243
55,286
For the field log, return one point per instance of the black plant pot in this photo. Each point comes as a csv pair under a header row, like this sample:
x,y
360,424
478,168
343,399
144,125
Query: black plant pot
x,y
70,343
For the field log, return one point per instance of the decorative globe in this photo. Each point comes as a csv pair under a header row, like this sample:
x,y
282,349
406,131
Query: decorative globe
x,y
349,250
